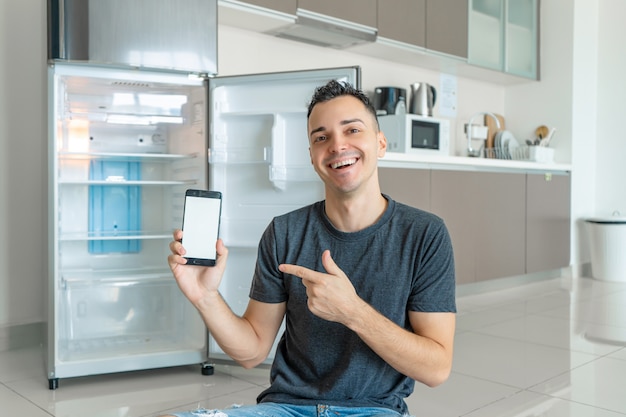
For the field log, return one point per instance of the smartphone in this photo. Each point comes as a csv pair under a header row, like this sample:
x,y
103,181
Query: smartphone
x,y
201,225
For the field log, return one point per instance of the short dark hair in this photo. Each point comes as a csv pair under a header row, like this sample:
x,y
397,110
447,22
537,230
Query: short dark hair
x,y
334,89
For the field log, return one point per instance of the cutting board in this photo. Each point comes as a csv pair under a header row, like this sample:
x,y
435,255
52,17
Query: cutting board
x,y
492,130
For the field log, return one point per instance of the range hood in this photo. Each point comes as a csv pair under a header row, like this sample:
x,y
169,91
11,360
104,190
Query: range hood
x,y
326,31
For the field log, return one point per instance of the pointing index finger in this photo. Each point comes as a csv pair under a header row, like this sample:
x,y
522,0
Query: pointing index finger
x,y
295,270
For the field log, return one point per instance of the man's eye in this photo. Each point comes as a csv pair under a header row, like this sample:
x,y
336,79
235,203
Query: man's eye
x,y
354,130
319,138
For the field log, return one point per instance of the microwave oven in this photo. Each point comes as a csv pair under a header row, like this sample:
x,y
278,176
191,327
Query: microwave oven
x,y
415,134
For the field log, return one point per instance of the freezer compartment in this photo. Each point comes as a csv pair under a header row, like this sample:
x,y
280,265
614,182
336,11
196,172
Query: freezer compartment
x,y
124,313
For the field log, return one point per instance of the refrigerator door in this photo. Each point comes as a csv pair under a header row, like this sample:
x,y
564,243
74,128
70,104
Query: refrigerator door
x,y
124,146
259,160
165,34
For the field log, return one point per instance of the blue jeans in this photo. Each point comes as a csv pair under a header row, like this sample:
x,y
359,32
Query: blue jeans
x,y
290,410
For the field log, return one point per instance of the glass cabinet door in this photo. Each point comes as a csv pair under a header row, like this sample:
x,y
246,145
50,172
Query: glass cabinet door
x,y
521,38
486,34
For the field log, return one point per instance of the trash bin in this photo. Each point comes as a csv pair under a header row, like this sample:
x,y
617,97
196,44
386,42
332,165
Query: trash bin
x,y
607,241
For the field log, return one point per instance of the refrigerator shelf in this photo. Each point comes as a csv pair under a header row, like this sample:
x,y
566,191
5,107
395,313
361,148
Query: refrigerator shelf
x,y
123,182
122,235
81,278
125,157
99,349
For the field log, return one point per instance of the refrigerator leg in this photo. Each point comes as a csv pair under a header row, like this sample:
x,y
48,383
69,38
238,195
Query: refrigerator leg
x,y
53,383
207,368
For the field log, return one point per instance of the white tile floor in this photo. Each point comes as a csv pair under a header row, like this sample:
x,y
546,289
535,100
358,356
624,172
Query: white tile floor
x,y
554,348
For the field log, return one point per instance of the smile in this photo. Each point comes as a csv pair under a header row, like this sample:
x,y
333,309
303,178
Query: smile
x,y
343,164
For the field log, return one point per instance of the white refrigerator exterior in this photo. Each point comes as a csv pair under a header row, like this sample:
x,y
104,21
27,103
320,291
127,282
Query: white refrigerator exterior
x,y
124,146
259,160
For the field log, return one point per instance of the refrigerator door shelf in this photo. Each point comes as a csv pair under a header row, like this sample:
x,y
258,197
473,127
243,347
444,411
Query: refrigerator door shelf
x,y
281,175
241,155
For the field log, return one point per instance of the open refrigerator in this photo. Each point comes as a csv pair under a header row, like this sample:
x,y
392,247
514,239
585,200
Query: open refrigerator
x,y
124,146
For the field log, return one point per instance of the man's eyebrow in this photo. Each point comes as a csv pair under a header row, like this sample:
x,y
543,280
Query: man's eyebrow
x,y
319,129
343,122
347,122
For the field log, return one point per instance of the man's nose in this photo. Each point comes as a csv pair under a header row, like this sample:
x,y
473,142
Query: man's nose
x,y
338,142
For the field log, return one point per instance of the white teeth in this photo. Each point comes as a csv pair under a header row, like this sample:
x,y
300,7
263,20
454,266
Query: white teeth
x,y
343,163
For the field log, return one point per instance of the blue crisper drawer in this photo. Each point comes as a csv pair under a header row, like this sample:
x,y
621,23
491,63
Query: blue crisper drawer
x,y
114,210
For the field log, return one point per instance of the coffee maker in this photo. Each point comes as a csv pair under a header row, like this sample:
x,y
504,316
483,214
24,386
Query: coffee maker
x,y
389,100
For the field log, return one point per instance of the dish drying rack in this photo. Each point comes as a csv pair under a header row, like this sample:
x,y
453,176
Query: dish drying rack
x,y
541,154
519,153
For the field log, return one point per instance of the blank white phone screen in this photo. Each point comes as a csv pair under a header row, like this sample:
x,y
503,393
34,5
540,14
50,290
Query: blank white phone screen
x,y
201,224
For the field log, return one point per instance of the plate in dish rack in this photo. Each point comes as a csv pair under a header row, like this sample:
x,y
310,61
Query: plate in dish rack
x,y
508,144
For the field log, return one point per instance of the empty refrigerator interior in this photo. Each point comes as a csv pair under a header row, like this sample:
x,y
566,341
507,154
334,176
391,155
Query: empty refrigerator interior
x,y
125,145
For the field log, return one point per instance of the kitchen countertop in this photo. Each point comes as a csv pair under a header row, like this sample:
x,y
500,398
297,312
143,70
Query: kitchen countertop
x,y
463,163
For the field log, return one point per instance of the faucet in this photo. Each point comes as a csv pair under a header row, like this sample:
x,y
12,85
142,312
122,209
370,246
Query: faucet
x,y
477,152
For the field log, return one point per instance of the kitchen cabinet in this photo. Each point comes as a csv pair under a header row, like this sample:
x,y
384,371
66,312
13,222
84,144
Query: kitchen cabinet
x,y
403,21
285,6
437,25
405,185
501,224
356,11
485,215
503,35
446,27
548,221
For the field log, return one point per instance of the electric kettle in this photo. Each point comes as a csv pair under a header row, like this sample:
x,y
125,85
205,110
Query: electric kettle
x,y
423,98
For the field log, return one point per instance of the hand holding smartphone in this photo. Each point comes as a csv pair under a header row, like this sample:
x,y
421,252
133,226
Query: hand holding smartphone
x,y
201,223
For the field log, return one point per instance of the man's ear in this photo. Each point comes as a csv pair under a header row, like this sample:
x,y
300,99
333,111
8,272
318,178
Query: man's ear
x,y
382,143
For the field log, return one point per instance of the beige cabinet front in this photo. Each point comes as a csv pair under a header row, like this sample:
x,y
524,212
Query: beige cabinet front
x,y
446,27
548,222
405,185
357,11
285,6
403,21
485,215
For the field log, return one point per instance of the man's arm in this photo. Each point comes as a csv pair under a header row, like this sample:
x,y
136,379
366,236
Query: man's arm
x,y
424,354
247,339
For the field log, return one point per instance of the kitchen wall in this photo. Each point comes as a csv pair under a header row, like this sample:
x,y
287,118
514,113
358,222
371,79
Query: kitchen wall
x,y
580,82
241,52
23,155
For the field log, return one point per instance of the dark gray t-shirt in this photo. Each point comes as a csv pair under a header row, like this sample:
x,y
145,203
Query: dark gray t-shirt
x,y
402,263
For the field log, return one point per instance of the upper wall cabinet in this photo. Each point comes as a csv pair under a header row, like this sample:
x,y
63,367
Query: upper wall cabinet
x,y
403,21
471,38
446,27
436,25
503,35
362,12
285,6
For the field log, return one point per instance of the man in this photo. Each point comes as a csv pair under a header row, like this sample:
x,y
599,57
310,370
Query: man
x,y
365,284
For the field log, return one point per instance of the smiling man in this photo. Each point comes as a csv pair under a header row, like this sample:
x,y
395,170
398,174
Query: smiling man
x,y
365,284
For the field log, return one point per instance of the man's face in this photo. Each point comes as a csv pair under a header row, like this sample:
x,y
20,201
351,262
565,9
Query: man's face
x,y
344,144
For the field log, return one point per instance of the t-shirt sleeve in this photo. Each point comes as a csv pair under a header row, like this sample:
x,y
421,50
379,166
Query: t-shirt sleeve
x,y
267,282
433,288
